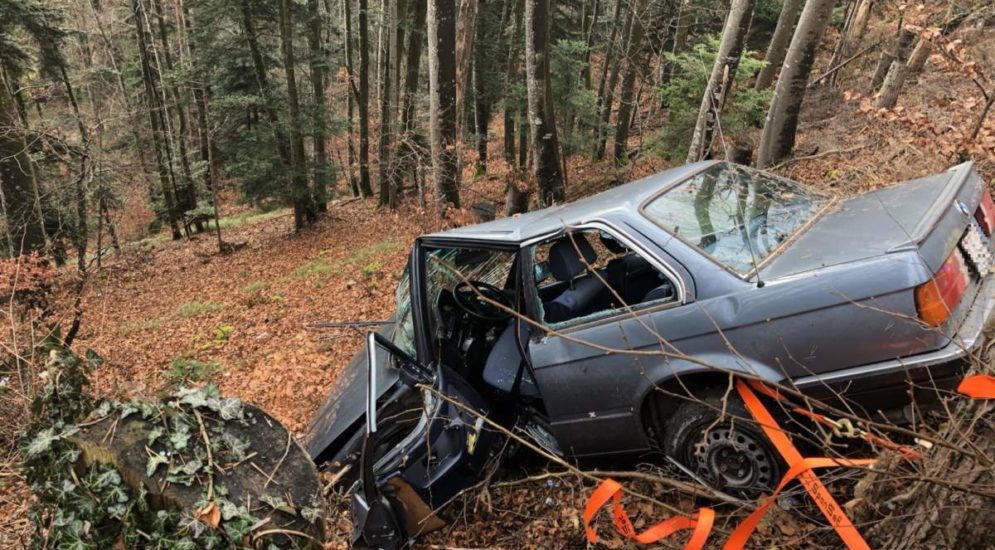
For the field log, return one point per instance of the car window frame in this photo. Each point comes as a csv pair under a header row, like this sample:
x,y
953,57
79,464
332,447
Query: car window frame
x,y
532,295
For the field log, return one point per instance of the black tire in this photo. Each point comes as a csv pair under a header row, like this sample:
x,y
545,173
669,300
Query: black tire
x,y
732,453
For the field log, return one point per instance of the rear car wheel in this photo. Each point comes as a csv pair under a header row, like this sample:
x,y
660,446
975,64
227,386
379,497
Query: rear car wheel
x,y
728,451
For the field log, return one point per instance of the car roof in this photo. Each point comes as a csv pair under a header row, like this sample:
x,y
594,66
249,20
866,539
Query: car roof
x,y
625,199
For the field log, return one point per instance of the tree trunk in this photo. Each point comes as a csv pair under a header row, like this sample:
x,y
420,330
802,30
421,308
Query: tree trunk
x,y
778,47
154,108
509,80
778,137
407,151
441,23
606,95
481,93
24,223
363,100
304,208
919,56
175,96
547,169
893,82
351,97
316,62
388,52
889,54
633,60
113,54
206,145
923,504
721,80
466,25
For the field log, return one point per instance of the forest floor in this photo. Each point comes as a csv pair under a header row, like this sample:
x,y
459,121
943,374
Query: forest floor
x,y
165,313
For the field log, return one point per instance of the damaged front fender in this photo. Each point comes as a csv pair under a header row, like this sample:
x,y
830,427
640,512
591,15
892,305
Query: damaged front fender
x,y
407,473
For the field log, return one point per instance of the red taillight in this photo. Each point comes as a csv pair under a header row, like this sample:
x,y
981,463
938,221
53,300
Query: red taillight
x,y
936,298
985,214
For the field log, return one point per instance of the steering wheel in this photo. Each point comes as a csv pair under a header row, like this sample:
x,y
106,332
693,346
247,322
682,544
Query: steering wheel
x,y
470,296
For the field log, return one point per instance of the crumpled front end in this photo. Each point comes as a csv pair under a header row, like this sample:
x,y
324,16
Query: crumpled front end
x,y
419,452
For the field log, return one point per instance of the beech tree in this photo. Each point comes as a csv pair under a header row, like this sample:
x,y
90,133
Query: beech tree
x,y
547,167
721,79
441,25
778,135
778,46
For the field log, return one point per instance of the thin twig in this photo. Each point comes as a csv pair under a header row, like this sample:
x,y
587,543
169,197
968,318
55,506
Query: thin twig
x,y
210,457
282,458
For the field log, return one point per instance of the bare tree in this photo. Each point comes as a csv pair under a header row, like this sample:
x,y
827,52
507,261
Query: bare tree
x,y
441,23
778,46
547,168
634,59
778,135
606,88
721,80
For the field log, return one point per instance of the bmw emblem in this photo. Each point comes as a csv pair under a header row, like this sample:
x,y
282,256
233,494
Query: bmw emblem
x,y
963,208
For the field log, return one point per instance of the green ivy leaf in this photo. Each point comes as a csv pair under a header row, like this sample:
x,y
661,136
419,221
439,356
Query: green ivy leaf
x,y
155,460
42,442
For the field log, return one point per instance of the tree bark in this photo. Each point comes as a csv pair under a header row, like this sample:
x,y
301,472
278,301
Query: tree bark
x,y
895,79
606,94
441,23
721,80
466,25
175,96
207,145
154,108
316,62
407,151
778,137
24,223
351,97
511,74
547,168
363,100
778,46
305,212
388,53
633,60
923,504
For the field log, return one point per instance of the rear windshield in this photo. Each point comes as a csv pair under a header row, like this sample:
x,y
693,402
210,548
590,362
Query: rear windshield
x,y
737,215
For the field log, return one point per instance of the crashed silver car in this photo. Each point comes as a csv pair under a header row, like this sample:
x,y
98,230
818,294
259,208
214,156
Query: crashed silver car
x,y
612,326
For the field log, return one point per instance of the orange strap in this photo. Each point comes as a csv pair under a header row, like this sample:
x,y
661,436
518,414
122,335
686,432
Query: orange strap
x,y
871,438
978,386
612,490
800,467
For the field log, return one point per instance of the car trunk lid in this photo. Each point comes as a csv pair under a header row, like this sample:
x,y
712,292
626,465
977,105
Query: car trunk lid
x,y
927,216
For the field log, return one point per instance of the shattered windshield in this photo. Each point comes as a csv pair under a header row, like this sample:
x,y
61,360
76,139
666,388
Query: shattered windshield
x,y
447,267
737,215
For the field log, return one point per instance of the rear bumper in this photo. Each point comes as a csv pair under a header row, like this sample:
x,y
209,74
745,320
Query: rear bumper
x,y
898,381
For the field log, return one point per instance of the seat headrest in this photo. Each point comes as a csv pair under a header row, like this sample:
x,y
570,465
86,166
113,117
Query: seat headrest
x,y
564,262
612,245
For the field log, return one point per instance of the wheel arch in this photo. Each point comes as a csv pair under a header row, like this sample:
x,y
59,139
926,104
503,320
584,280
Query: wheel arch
x,y
663,396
